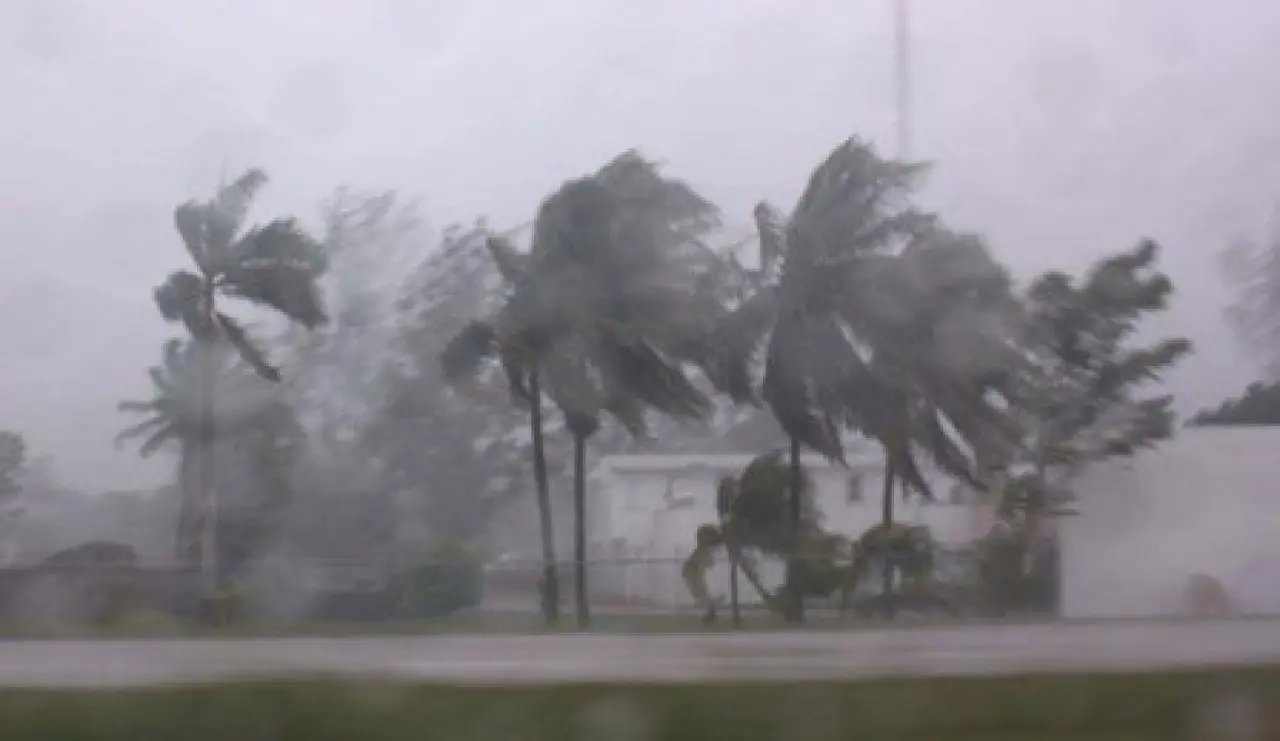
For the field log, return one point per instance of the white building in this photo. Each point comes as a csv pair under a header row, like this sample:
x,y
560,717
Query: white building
x,y
644,512
1206,502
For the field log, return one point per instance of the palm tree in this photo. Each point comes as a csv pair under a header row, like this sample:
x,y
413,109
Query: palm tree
x,y
275,265
603,310
754,515
463,359
253,414
841,310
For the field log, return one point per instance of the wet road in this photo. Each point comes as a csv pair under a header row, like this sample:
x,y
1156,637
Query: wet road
x,y
971,650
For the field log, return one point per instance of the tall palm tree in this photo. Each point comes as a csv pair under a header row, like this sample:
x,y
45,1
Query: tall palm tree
x,y
275,265
605,312
252,414
462,359
838,323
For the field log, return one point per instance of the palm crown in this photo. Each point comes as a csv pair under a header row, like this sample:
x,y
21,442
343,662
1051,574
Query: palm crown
x,y
275,265
874,318
174,412
603,303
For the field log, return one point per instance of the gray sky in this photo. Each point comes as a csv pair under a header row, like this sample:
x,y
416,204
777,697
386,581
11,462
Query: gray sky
x,y
1062,130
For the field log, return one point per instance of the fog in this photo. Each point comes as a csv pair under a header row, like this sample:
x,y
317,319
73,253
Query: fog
x,y
1060,130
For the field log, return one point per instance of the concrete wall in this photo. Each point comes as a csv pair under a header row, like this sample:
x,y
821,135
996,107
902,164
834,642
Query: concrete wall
x,y
1207,501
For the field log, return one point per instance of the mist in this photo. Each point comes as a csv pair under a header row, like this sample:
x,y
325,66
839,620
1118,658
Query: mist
x,y
1061,131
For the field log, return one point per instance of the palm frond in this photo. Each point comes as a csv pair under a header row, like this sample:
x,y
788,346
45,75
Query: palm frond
x,y
759,512
278,265
181,298
511,264
640,370
736,342
638,184
574,387
854,202
627,411
787,390
159,381
157,440
239,339
145,427
466,352
226,213
190,220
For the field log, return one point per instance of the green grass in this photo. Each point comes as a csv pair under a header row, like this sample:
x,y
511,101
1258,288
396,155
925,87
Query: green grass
x,y
1126,707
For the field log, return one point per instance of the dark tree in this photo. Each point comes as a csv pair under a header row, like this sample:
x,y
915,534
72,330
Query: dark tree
x,y
1258,405
275,265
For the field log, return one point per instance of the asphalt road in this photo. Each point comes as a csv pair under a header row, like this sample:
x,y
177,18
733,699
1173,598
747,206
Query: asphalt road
x,y
971,650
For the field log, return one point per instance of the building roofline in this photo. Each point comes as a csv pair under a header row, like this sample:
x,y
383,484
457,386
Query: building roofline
x,y
637,462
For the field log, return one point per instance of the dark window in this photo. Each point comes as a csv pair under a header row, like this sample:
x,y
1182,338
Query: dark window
x,y
853,491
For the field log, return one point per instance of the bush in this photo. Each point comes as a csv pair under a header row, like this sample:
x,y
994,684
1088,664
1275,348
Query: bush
x,y
223,607
114,597
449,578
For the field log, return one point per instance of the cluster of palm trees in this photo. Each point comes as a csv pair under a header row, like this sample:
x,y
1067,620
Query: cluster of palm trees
x,y
863,315
215,386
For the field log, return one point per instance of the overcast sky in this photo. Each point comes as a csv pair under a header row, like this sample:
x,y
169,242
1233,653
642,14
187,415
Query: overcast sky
x,y
1060,129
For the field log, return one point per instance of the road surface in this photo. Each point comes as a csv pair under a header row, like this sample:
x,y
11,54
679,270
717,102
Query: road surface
x,y
960,650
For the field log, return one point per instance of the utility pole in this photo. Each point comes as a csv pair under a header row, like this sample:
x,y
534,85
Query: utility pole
x,y
902,76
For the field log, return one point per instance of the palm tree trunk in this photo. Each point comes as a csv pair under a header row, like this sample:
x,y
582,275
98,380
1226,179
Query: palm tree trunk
x,y
186,540
580,531
794,588
886,522
771,601
734,609
205,379
549,584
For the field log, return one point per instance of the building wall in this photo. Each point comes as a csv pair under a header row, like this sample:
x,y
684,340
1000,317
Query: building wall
x,y
1205,502
645,511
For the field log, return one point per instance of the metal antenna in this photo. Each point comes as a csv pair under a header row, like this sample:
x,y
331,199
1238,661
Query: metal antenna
x,y
902,76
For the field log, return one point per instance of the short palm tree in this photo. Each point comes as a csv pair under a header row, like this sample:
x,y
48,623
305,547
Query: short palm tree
x,y
604,311
753,513
275,265
843,306
174,416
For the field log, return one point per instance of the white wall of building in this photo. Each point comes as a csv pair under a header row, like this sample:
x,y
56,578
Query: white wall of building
x,y
648,508
1207,501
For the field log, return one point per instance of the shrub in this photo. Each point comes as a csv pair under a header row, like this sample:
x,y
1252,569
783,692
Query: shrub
x,y
449,578
223,607
112,598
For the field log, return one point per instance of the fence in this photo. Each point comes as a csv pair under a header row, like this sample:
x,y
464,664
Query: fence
x,y
353,590
655,584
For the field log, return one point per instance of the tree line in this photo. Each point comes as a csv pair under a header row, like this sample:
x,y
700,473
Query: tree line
x,y
626,320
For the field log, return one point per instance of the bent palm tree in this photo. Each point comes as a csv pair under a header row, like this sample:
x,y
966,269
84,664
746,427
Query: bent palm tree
x,y
463,358
754,516
604,310
275,265
843,307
